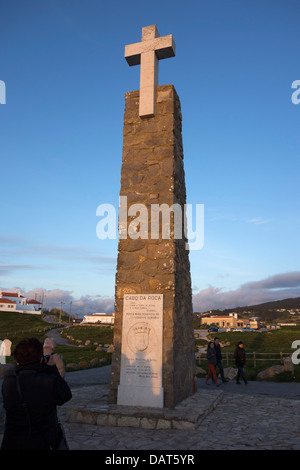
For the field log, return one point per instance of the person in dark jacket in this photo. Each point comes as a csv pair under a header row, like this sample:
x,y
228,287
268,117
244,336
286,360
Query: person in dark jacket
x,y
211,361
219,363
31,394
240,361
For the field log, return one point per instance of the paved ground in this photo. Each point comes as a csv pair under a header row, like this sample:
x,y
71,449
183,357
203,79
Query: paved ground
x,y
260,416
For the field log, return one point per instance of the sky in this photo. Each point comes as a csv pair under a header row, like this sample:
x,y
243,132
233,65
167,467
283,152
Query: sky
x,y
62,63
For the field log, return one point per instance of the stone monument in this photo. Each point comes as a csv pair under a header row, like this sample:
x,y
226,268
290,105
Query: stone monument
x,y
153,361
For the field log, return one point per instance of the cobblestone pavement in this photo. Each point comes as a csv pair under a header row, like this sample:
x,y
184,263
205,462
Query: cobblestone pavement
x,y
242,420
238,422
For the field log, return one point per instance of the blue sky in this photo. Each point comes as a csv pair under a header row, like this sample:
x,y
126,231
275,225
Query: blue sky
x,y
63,65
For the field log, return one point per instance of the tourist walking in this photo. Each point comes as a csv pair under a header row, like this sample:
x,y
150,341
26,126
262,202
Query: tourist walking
x,y
211,361
31,393
219,363
240,361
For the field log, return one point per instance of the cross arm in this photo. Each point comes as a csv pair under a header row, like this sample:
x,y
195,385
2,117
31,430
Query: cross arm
x,y
164,47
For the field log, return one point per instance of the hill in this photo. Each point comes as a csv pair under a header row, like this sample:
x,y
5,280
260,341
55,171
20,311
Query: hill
x,y
286,304
278,310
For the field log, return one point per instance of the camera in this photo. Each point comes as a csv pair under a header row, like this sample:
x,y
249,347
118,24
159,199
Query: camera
x,y
46,358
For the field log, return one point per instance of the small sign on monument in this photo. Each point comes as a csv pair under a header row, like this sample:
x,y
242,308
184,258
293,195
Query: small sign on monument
x,y
141,354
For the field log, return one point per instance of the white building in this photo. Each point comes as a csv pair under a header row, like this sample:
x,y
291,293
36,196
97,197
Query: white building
x,y
15,302
7,304
102,318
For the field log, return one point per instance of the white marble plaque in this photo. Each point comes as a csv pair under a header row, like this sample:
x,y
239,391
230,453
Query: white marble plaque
x,y
141,352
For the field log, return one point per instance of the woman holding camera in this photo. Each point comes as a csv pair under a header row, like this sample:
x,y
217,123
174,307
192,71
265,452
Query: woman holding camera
x,y
31,394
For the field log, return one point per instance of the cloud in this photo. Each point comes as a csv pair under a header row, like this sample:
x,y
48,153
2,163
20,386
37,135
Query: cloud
x,y
7,269
277,287
88,304
219,217
55,298
278,281
258,221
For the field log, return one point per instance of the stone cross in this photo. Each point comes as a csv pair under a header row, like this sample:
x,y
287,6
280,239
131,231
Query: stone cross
x,y
147,53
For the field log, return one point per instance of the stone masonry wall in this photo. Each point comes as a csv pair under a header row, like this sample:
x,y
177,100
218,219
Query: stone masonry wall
x,y
152,173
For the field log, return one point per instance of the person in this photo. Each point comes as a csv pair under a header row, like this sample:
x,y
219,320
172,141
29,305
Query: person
x,y
240,361
48,349
211,361
31,393
219,363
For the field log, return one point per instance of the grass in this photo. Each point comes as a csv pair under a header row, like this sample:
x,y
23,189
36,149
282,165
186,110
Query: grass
x,y
16,326
79,335
83,333
268,341
85,354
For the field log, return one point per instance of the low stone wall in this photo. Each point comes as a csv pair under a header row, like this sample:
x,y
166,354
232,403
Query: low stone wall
x,y
187,415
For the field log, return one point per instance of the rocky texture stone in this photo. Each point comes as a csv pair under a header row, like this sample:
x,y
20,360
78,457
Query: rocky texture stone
x,y
72,366
288,365
229,373
84,365
94,362
270,372
152,173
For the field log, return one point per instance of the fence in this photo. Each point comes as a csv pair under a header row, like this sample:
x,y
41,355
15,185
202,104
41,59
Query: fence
x,y
229,356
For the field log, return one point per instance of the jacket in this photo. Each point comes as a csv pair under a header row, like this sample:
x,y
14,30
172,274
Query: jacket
x,y
211,356
218,352
33,425
240,356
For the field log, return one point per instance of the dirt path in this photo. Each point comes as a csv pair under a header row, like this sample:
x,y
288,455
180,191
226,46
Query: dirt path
x,y
57,338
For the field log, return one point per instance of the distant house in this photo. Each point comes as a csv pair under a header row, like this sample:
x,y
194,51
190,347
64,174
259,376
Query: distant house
x,y
14,301
226,321
34,302
254,323
14,296
7,304
103,318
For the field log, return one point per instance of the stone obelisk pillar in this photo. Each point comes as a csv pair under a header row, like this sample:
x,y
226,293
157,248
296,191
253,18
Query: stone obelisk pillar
x,y
153,362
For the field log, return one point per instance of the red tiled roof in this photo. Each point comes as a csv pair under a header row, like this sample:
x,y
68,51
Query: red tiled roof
x,y
221,316
6,301
33,301
10,294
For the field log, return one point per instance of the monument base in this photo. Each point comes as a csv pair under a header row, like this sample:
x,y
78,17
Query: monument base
x,y
141,396
90,406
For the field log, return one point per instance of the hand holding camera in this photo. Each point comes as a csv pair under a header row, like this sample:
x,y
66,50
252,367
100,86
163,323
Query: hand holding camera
x,y
48,359
48,349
